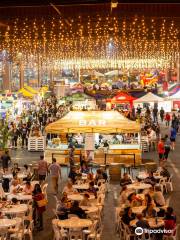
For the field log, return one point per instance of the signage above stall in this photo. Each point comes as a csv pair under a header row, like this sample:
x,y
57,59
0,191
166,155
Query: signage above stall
x,y
92,122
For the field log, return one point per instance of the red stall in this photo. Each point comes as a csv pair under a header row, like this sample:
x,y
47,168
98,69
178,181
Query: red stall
x,y
122,101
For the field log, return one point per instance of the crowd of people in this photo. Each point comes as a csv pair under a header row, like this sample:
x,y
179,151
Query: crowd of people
x,y
33,120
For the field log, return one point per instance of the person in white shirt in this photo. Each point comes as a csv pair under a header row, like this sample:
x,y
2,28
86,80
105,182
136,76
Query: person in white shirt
x,y
27,172
123,196
28,188
15,187
158,197
85,201
69,188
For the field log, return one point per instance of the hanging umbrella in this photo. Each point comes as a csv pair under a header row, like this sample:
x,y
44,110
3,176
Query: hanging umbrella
x,y
112,73
98,74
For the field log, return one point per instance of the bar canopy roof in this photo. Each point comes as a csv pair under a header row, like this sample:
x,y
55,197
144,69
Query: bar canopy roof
x,y
93,122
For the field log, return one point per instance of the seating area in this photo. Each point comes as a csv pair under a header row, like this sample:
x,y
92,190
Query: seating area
x,y
79,213
16,202
144,202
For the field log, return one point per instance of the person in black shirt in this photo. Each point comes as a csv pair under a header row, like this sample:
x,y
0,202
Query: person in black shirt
x,y
165,173
75,209
150,180
128,216
5,161
24,135
73,174
125,180
141,222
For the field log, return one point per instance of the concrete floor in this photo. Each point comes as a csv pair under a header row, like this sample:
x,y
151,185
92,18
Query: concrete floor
x,y
22,157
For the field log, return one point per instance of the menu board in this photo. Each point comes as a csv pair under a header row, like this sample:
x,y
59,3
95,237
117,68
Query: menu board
x,y
89,141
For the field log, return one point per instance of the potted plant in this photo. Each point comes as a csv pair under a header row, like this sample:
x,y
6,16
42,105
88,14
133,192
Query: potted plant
x,y
4,135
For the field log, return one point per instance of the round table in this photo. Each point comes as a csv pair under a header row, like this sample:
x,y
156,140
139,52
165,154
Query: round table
x,y
138,186
90,209
151,221
143,176
138,210
19,175
4,223
75,223
83,186
20,197
15,209
79,197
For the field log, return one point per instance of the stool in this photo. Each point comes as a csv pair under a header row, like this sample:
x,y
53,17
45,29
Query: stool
x,y
127,168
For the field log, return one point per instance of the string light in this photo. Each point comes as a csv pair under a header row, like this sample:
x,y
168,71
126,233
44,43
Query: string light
x,y
94,42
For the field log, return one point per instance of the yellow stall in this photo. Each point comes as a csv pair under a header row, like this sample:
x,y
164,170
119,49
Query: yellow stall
x,y
108,134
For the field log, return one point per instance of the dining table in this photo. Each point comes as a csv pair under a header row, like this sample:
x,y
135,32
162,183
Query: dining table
x,y
139,186
15,209
79,197
6,223
153,222
90,209
83,186
144,175
138,210
20,196
75,222
10,176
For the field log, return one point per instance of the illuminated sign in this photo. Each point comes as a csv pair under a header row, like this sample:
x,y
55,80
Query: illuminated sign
x,y
92,122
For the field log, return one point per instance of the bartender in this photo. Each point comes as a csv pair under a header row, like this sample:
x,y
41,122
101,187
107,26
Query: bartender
x,y
106,144
115,140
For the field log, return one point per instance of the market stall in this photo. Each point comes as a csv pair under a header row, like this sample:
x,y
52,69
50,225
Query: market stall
x,y
82,101
108,135
121,100
175,100
151,100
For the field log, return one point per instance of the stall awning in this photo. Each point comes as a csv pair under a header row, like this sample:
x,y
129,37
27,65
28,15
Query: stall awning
x,y
93,122
175,96
149,97
122,98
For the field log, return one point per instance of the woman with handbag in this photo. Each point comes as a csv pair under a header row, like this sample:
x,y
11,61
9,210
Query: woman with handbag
x,y
39,206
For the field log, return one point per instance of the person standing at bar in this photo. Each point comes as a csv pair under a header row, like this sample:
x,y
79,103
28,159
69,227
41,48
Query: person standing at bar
x,y
42,169
55,172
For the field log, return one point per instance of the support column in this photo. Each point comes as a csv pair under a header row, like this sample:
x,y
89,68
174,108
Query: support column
x,y
6,77
178,69
21,75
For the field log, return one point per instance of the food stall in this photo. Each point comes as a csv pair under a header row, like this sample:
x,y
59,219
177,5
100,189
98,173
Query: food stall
x,y
175,100
150,100
82,101
121,100
109,136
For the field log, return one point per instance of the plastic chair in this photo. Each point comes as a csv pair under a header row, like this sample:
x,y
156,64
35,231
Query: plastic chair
x,y
4,234
29,230
162,183
75,235
18,231
128,233
91,232
44,189
169,184
55,213
59,234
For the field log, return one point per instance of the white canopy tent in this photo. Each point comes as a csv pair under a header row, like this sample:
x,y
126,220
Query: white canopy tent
x,y
175,100
175,96
149,97
152,99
